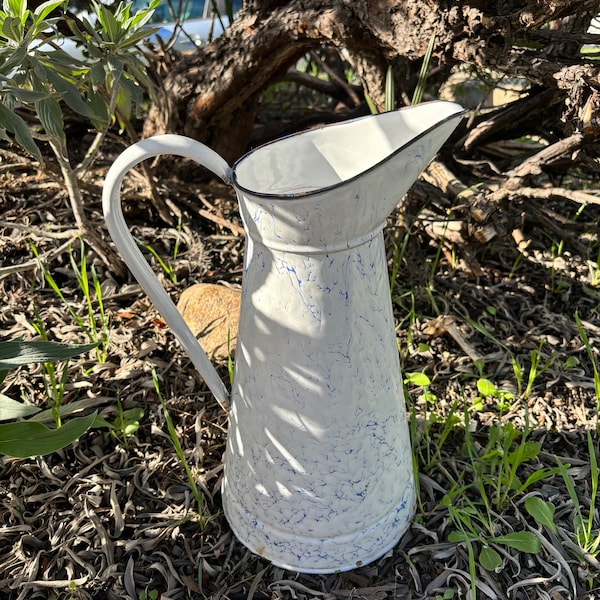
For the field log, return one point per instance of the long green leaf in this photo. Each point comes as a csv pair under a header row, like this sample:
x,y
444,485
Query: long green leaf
x,y
23,96
390,91
11,59
51,118
12,29
12,122
18,352
25,438
420,87
110,25
70,94
11,409
142,16
44,9
66,410
489,559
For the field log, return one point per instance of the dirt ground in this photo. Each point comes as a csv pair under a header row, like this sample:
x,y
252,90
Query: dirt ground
x,y
112,518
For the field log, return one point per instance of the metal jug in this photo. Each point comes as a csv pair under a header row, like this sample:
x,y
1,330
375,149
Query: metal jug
x,y
318,472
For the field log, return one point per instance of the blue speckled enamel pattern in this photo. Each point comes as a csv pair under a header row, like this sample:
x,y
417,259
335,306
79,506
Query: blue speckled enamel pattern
x,y
318,470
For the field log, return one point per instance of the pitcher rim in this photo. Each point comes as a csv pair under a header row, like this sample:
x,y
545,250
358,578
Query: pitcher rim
x,y
316,191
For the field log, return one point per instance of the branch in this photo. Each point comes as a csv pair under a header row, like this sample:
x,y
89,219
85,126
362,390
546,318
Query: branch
x,y
545,194
516,116
543,159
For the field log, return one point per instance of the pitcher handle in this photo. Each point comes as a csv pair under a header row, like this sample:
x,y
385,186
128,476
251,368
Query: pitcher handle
x,y
133,257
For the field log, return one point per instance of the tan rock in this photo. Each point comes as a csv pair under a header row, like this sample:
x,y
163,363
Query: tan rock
x,y
212,313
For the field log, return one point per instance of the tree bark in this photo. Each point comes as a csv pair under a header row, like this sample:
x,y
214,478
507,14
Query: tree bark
x,y
212,94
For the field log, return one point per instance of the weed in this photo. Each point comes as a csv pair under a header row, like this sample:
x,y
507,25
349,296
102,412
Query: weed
x,y
496,465
594,269
433,443
487,389
127,423
535,371
30,437
587,536
178,449
99,326
54,386
420,87
556,251
590,353
390,91
542,511
483,480
97,329
166,265
534,368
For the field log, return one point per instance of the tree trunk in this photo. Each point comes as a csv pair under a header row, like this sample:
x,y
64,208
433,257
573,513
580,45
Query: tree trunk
x,y
212,94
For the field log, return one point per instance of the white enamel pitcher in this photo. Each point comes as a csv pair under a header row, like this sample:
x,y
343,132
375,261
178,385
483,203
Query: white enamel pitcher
x,y
318,470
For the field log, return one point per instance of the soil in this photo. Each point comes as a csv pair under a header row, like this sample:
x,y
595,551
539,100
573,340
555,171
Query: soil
x,y
113,516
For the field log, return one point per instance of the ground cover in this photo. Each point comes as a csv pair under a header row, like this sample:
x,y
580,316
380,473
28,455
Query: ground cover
x,y
498,341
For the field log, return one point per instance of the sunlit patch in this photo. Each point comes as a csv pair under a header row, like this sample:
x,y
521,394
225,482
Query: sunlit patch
x,y
261,489
299,421
285,492
293,462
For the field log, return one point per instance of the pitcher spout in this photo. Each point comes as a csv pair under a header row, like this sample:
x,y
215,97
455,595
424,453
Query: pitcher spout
x,y
352,174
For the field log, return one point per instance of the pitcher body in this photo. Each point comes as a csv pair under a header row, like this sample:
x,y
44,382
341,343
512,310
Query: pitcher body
x,y
317,414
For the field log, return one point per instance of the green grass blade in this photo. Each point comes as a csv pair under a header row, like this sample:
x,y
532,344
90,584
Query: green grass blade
x,y
420,87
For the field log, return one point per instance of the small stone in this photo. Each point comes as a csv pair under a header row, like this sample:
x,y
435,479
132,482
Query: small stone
x,y
212,312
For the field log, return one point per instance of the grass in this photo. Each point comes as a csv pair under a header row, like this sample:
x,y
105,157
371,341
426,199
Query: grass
x,y
179,450
587,532
167,265
594,363
96,322
490,482
55,378
482,480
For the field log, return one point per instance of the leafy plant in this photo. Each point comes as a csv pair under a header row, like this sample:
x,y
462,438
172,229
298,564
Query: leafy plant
x,y
428,446
126,424
542,511
31,437
54,385
485,476
40,82
487,389
535,370
496,465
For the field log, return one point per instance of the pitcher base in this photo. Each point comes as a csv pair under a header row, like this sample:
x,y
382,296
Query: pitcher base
x,y
306,554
